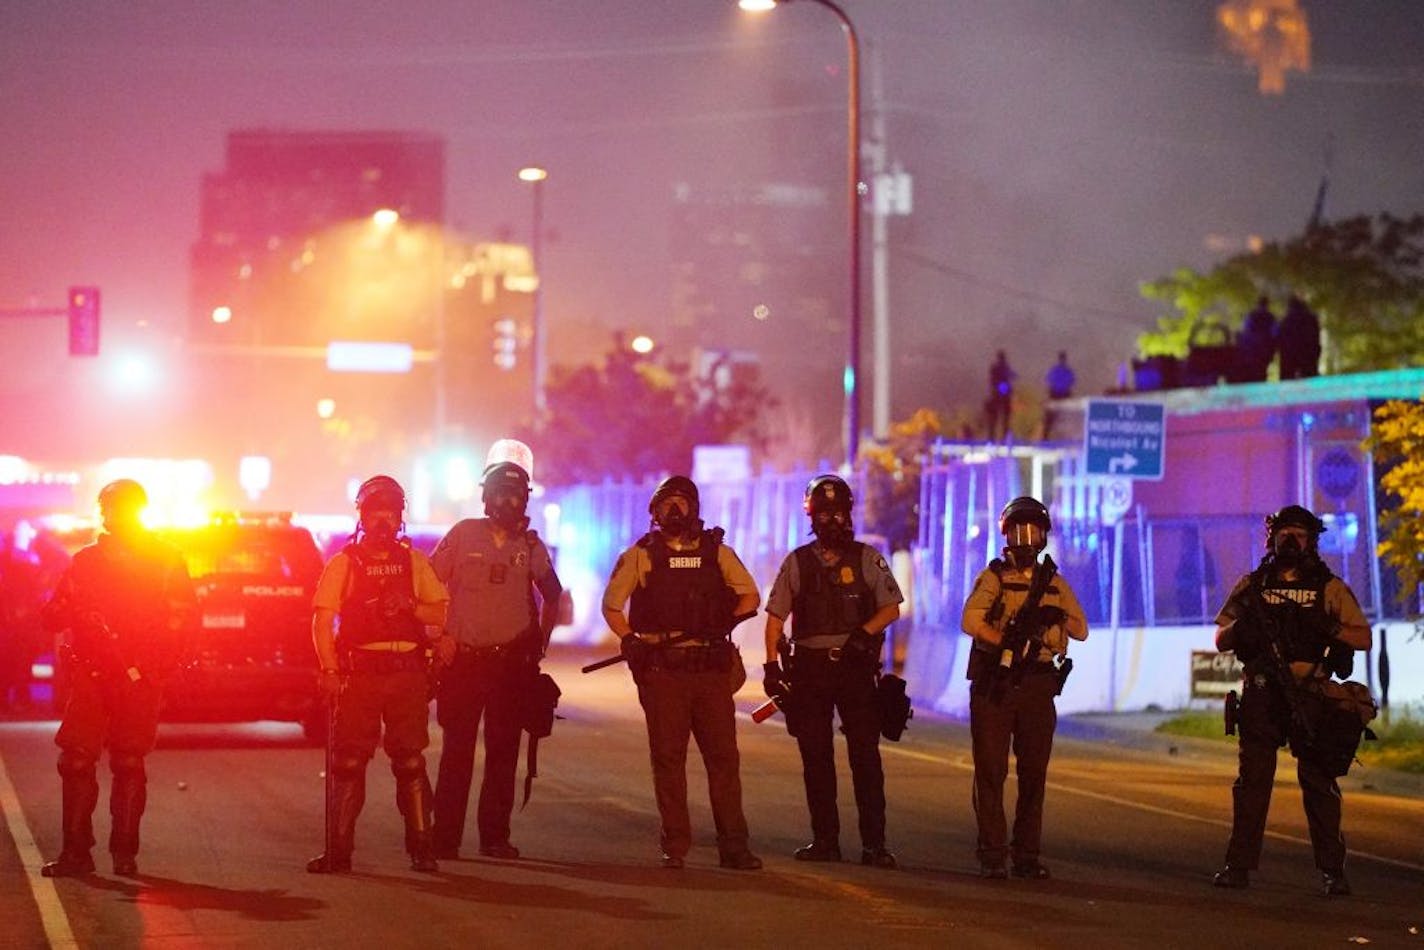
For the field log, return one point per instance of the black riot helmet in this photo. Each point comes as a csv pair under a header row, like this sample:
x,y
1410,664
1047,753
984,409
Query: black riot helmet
x,y
1025,524
828,501
380,490
123,495
120,504
675,486
505,493
1293,516
377,496
827,493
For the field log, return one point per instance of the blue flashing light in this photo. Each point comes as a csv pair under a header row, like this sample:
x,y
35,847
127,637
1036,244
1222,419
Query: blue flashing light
x,y
848,381
357,357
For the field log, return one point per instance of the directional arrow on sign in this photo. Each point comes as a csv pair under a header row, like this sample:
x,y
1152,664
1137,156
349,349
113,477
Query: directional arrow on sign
x,y
1121,463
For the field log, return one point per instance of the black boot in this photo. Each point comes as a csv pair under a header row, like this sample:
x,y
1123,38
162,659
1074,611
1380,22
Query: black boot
x,y
79,794
348,794
127,800
415,800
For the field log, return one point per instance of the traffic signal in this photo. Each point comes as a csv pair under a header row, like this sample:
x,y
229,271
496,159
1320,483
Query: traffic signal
x,y
506,342
84,321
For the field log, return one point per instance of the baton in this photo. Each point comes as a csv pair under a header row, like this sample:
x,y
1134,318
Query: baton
x,y
620,658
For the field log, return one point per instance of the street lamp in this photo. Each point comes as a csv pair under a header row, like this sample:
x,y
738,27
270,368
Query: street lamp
x,y
535,176
851,377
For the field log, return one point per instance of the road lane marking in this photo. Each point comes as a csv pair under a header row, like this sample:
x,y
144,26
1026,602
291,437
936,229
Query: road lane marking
x,y
1151,809
52,916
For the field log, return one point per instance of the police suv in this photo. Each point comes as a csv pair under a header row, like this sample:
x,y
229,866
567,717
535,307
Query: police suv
x,y
254,575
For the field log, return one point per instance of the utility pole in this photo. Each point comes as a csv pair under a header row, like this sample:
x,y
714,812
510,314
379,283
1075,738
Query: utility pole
x,y
891,194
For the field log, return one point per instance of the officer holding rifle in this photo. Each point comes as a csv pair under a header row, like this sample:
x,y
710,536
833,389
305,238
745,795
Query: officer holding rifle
x,y
1021,614
1292,623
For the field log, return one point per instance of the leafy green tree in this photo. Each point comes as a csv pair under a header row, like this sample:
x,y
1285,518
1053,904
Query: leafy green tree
x,y
635,416
1397,440
1363,276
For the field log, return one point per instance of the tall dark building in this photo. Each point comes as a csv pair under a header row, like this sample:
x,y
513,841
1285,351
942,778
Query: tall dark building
x,y
756,273
267,218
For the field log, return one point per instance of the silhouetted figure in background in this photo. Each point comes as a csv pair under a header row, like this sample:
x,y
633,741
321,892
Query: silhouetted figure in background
x,y
1001,396
1256,343
1059,383
1299,341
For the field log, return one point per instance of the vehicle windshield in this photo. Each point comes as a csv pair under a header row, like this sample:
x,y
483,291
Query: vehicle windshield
x,y
250,551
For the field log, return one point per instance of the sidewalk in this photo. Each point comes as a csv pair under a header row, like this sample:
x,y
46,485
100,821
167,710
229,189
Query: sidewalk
x,y
1137,730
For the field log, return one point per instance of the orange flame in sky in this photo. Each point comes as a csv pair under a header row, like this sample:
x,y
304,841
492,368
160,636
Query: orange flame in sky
x,y
1271,34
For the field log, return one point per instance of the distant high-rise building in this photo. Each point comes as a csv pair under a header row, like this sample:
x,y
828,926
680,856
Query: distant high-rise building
x,y
277,211
756,275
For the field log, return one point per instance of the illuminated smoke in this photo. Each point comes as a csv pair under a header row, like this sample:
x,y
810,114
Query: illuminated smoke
x,y
1271,34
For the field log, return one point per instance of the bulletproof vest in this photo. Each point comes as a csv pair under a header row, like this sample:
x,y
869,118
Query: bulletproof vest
x,y
684,590
376,576
1299,610
830,598
126,584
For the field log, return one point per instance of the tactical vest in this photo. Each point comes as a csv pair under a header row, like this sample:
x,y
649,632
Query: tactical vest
x,y
684,590
127,586
830,598
371,581
983,659
1299,610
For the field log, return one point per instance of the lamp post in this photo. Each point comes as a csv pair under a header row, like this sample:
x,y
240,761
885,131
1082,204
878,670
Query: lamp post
x,y
851,376
535,176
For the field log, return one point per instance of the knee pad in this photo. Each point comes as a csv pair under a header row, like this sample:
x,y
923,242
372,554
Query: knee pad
x,y
77,765
126,763
407,765
348,764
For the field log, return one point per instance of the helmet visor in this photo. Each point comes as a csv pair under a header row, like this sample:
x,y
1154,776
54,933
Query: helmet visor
x,y
1025,534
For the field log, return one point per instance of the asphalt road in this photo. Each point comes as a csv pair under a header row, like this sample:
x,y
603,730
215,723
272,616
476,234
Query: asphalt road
x,y
1135,825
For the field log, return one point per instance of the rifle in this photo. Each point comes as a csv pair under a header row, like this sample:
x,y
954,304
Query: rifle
x,y
1023,634
620,658
770,708
1277,667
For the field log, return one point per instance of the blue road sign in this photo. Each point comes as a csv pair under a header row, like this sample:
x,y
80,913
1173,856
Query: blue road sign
x,y
1125,439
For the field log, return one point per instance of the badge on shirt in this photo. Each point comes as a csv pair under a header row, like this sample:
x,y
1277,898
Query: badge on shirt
x,y
847,574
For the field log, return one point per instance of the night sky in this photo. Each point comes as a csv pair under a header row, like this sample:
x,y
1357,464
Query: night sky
x,y
1061,152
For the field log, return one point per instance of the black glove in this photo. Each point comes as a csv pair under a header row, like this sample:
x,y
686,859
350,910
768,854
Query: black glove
x,y
635,650
1248,643
862,647
774,681
1052,616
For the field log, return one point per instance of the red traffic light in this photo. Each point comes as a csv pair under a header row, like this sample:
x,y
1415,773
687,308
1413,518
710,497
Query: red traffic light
x,y
84,321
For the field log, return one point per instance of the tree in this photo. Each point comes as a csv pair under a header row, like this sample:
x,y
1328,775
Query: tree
x,y
1397,440
1363,276
892,479
635,416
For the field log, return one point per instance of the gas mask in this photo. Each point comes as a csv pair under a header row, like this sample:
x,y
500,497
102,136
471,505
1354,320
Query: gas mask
x,y
1289,552
833,528
1023,541
381,525
506,510
674,515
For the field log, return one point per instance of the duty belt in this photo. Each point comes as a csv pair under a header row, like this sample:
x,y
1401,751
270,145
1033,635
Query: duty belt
x,y
485,652
386,661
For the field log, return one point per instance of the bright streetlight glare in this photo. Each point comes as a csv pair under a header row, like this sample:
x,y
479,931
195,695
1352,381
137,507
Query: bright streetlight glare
x,y
135,372
222,314
642,344
385,218
533,173
756,6
325,408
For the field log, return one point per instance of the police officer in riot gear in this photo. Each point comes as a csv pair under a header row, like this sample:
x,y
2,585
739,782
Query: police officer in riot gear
x,y
840,596
1015,672
684,589
128,604
1317,624
494,567
386,596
